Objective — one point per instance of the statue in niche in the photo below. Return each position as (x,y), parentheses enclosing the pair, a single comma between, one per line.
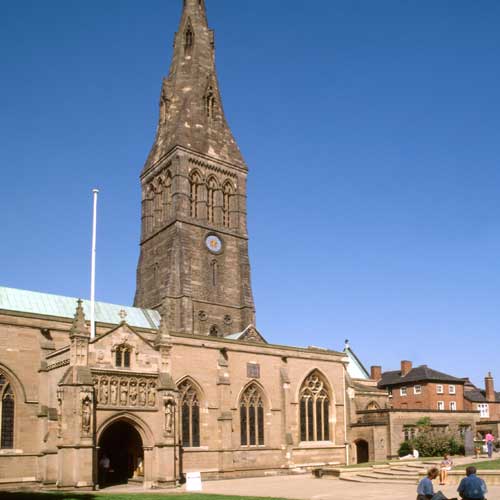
(151,395)
(114,392)
(169,415)
(142,394)
(133,393)
(59,413)
(86,415)
(124,393)
(104,392)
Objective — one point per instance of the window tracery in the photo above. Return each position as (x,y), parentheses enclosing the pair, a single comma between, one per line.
(252,416)
(7,414)
(190,414)
(314,409)
(211,195)
(227,192)
(194,184)
(122,356)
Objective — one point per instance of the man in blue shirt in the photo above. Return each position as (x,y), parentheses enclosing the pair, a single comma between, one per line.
(425,489)
(472,487)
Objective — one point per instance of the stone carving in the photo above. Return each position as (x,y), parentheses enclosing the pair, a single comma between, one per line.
(59,412)
(114,392)
(228,320)
(133,393)
(125,391)
(104,392)
(152,394)
(86,415)
(169,405)
(202,316)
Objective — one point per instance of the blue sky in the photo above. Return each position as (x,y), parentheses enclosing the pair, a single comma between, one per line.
(371,130)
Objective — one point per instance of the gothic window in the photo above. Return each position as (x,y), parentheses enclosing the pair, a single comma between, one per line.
(188,40)
(211,192)
(210,103)
(314,409)
(194,183)
(190,415)
(214,331)
(167,196)
(148,208)
(122,356)
(227,192)
(252,417)
(158,197)
(6,414)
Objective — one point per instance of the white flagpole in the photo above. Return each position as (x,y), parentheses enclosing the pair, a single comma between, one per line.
(92,272)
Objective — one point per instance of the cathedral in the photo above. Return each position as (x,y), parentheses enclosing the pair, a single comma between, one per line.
(182,381)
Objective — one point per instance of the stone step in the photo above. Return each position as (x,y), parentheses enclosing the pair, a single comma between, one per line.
(392,472)
(387,478)
(365,478)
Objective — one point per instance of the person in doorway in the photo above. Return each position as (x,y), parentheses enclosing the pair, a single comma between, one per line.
(489,438)
(444,468)
(104,465)
(472,487)
(425,489)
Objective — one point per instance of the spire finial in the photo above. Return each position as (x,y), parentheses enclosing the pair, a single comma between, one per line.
(79,327)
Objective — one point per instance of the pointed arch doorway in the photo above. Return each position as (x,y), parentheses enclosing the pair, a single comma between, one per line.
(122,444)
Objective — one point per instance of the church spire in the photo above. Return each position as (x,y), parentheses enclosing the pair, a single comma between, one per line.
(191,112)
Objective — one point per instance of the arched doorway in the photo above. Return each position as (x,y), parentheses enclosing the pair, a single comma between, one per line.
(122,445)
(362,451)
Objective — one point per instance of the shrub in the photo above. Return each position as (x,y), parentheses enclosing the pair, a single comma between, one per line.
(432,444)
(405,448)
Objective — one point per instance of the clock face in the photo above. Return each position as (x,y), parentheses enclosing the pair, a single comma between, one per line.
(214,244)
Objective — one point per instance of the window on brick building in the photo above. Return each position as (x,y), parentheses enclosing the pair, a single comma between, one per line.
(441,405)
(6,414)
(314,409)
(252,417)
(403,391)
(439,389)
(452,389)
(484,410)
(189,403)
(417,389)
(453,406)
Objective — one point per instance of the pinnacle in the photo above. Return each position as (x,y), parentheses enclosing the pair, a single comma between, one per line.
(79,327)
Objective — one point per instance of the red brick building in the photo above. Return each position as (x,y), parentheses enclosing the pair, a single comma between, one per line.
(422,388)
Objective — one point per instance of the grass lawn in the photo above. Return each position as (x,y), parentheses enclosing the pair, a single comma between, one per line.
(487,465)
(120,496)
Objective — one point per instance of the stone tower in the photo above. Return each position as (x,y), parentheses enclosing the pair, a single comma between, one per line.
(194,244)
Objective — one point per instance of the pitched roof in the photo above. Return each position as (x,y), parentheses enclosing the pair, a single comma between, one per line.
(476,395)
(46,304)
(418,374)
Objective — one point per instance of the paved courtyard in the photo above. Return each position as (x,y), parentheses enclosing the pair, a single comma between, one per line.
(305,487)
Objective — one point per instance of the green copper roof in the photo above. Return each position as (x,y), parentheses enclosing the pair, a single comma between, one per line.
(25,301)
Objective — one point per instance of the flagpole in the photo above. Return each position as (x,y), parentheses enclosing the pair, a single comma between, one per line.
(92,271)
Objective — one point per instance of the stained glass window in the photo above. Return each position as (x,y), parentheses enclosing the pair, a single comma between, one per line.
(190,415)
(314,410)
(252,417)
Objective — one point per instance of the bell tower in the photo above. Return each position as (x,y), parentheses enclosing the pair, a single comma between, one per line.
(194,243)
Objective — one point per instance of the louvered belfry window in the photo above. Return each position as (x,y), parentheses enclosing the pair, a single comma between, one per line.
(314,410)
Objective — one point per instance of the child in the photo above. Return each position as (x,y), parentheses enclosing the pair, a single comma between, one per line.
(444,468)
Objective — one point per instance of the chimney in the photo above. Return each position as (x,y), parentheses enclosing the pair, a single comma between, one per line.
(406,366)
(376,372)
(490,388)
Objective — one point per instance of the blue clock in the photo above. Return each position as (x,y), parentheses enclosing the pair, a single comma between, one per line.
(213,243)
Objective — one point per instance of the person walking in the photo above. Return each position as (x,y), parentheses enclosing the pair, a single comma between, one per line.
(425,489)
(489,438)
(104,465)
(472,487)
